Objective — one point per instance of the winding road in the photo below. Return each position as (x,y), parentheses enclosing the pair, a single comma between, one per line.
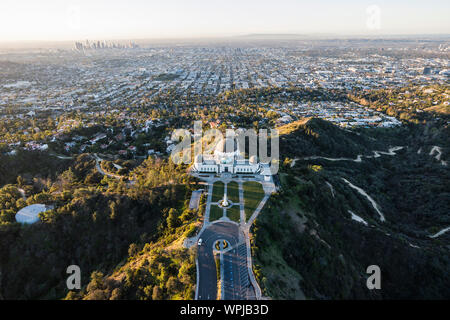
(376,154)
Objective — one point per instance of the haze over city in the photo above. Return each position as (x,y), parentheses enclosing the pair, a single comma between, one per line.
(50,20)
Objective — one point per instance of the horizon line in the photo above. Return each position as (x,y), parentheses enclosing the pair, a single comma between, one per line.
(311,36)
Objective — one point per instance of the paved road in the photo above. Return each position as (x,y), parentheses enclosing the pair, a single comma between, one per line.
(236,282)
(239,280)
(102,172)
(233,259)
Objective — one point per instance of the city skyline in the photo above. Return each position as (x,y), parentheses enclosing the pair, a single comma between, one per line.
(51,20)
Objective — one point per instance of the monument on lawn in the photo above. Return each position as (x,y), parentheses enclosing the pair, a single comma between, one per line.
(225,202)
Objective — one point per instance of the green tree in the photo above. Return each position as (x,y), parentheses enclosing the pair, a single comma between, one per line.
(172,220)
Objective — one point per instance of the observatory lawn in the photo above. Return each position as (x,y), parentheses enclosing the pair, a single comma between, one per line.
(234,213)
(253,194)
(233,191)
(215,213)
(218,189)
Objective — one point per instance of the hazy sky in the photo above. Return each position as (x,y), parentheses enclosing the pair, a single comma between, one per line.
(119,19)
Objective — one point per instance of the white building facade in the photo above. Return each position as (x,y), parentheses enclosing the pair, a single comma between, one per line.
(226,158)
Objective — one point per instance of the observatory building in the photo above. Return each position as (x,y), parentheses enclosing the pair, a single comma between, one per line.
(226,158)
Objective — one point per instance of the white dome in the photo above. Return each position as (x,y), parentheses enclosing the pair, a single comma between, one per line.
(198,158)
(253,159)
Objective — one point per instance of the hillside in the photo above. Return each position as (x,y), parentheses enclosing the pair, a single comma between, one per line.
(314,136)
(163,270)
(316,238)
(121,235)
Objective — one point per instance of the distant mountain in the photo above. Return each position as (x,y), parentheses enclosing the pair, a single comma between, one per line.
(272,35)
(282,36)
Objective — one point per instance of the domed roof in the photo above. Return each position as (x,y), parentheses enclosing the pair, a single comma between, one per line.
(198,158)
(253,159)
(227,145)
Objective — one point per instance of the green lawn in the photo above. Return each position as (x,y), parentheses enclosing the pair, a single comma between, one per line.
(233,191)
(253,194)
(233,213)
(218,189)
(215,213)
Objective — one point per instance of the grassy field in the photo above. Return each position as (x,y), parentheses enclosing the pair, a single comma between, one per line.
(253,194)
(216,213)
(233,191)
(218,189)
(234,214)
